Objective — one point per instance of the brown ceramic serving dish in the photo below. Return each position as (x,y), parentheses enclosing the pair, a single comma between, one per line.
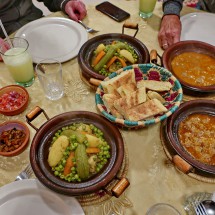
(199,106)
(40,148)
(189,46)
(15,148)
(86,52)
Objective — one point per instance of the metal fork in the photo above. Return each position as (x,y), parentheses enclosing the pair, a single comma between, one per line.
(199,208)
(25,174)
(89,30)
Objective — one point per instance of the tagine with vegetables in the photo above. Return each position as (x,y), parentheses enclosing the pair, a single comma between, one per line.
(109,58)
(78,152)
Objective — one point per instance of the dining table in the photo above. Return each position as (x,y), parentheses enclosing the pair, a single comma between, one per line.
(147,165)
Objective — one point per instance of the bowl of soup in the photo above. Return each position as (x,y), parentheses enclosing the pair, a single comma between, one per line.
(107,53)
(190,131)
(76,153)
(193,63)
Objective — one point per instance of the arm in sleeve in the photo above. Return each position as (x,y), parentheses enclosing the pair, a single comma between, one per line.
(172,7)
(55,5)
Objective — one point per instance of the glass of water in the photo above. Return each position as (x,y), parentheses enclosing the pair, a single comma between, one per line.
(49,72)
(162,209)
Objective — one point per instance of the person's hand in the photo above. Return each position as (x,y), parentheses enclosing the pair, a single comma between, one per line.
(170,31)
(76,10)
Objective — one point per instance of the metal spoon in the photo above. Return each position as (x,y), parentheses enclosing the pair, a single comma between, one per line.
(210,206)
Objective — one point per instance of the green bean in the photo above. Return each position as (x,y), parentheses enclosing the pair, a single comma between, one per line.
(110,53)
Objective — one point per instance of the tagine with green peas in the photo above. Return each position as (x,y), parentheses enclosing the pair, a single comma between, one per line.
(109,58)
(78,152)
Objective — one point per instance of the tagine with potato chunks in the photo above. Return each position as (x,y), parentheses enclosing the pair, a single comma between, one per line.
(112,57)
(78,152)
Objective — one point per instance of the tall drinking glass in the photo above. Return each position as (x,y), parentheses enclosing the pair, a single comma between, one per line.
(18,61)
(146,8)
(49,72)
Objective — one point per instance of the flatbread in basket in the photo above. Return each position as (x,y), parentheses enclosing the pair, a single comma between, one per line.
(139,95)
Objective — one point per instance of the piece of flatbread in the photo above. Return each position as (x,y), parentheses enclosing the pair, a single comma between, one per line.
(158,86)
(108,100)
(131,100)
(110,86)
(126,89)
(145,110)
(155,95)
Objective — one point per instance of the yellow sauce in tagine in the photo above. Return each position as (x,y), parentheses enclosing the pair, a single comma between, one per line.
(194,68)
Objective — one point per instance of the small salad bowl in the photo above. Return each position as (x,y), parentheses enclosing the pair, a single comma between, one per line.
(20,133)
(13,100)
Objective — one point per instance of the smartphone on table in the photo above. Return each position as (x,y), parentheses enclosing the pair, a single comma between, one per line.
(112,11)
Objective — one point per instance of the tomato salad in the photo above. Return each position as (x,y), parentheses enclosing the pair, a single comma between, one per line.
(12,100)
(109,58)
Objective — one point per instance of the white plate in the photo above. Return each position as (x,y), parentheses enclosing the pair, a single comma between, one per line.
(29,197)
(198,26)
(53,37)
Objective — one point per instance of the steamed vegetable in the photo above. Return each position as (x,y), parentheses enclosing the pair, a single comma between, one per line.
(100,48)
(93,141)
(127,55)
(98,57)
(92,150)
(83,167)
(78,151)
(57,150)
(79,136)
(69,164)
(111,57)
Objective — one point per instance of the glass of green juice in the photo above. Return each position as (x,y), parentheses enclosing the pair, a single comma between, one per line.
(18,61)
(146,8)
